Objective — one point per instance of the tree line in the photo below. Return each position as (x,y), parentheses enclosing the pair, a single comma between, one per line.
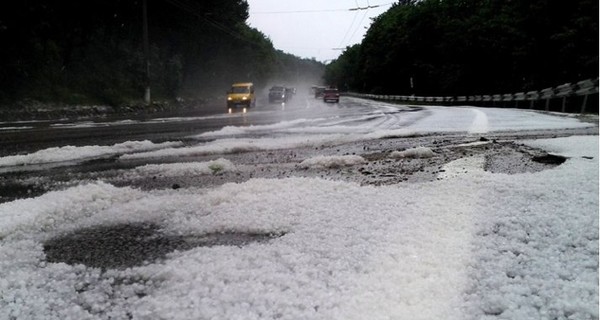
(463,47)
(91,51)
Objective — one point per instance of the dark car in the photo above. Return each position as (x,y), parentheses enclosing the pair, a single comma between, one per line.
(331,95)
(278,94)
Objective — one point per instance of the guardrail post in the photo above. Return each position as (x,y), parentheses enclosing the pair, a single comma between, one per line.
(582,88)
(564,91)
(585,88)
(547,94)
(585,98)
(532,96)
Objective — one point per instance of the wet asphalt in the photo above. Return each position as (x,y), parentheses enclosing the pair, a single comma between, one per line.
(122,246)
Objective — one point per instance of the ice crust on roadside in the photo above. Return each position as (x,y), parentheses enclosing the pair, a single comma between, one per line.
(187,168)
(233,130)
(60,208)
(332,161)
(238,145)
(72,153)
(383,121)
(418,152)
(538,253)
(482,120)
(568,146)
(476,246)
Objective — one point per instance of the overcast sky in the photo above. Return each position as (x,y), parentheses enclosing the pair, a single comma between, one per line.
(314,28)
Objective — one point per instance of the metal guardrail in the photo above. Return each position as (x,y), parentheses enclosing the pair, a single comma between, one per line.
(566,91)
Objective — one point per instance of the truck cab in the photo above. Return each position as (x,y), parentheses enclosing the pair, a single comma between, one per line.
(241,95)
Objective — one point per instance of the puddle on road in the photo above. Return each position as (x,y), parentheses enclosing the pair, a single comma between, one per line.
(129,245)
(549,159)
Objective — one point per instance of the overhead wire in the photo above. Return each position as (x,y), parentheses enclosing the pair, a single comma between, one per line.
(299,11)
(361,20)
(192,9)
(357,8)
(350,27)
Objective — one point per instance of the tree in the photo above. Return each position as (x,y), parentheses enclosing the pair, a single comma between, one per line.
(462,47)
(91,52)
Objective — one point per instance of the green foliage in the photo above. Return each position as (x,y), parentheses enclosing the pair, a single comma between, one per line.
(346,72)
(215,168)
(92,51)
(457,47)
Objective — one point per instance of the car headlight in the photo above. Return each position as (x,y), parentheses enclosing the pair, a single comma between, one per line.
(229,99)
(244,98)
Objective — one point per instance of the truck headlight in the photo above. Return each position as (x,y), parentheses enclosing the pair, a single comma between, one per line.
(244,98)
(229,99)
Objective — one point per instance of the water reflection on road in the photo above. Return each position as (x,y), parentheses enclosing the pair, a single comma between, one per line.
(27,136)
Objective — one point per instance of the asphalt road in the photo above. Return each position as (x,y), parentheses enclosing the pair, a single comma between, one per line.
(501,151)
(29,136)
(33,180)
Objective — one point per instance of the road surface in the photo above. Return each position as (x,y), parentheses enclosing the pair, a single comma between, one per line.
(360,209)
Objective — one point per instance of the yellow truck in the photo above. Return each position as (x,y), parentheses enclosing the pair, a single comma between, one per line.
(241,95)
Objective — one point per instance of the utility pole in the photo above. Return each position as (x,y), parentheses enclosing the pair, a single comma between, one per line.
(146,52)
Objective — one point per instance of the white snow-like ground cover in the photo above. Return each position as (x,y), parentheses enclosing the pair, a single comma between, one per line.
(381,121)
(16,128)
(183,169)
(73,153)
(237,145)
(332,161)
(483,120)
(474,245)
(418,152)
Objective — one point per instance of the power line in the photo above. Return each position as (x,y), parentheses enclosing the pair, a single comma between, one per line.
(361,20)
(368,7)
(299,11)
(357,8)
(194,10)
(350,27)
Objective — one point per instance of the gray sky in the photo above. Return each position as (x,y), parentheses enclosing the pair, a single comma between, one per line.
(314,28)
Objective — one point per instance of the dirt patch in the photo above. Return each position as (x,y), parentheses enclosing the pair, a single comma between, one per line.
(500,157)
(503,154)
(129,245)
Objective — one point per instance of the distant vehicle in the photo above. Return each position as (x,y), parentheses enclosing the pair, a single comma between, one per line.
(331,95)
(278,94)
(241,95)
(319,91)
(290,92)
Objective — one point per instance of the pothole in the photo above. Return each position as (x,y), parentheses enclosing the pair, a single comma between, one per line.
(129,245)
(500,157)
(520,159)
(549,159)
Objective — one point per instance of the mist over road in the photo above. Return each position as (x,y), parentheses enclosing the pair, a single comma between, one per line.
(18,137)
